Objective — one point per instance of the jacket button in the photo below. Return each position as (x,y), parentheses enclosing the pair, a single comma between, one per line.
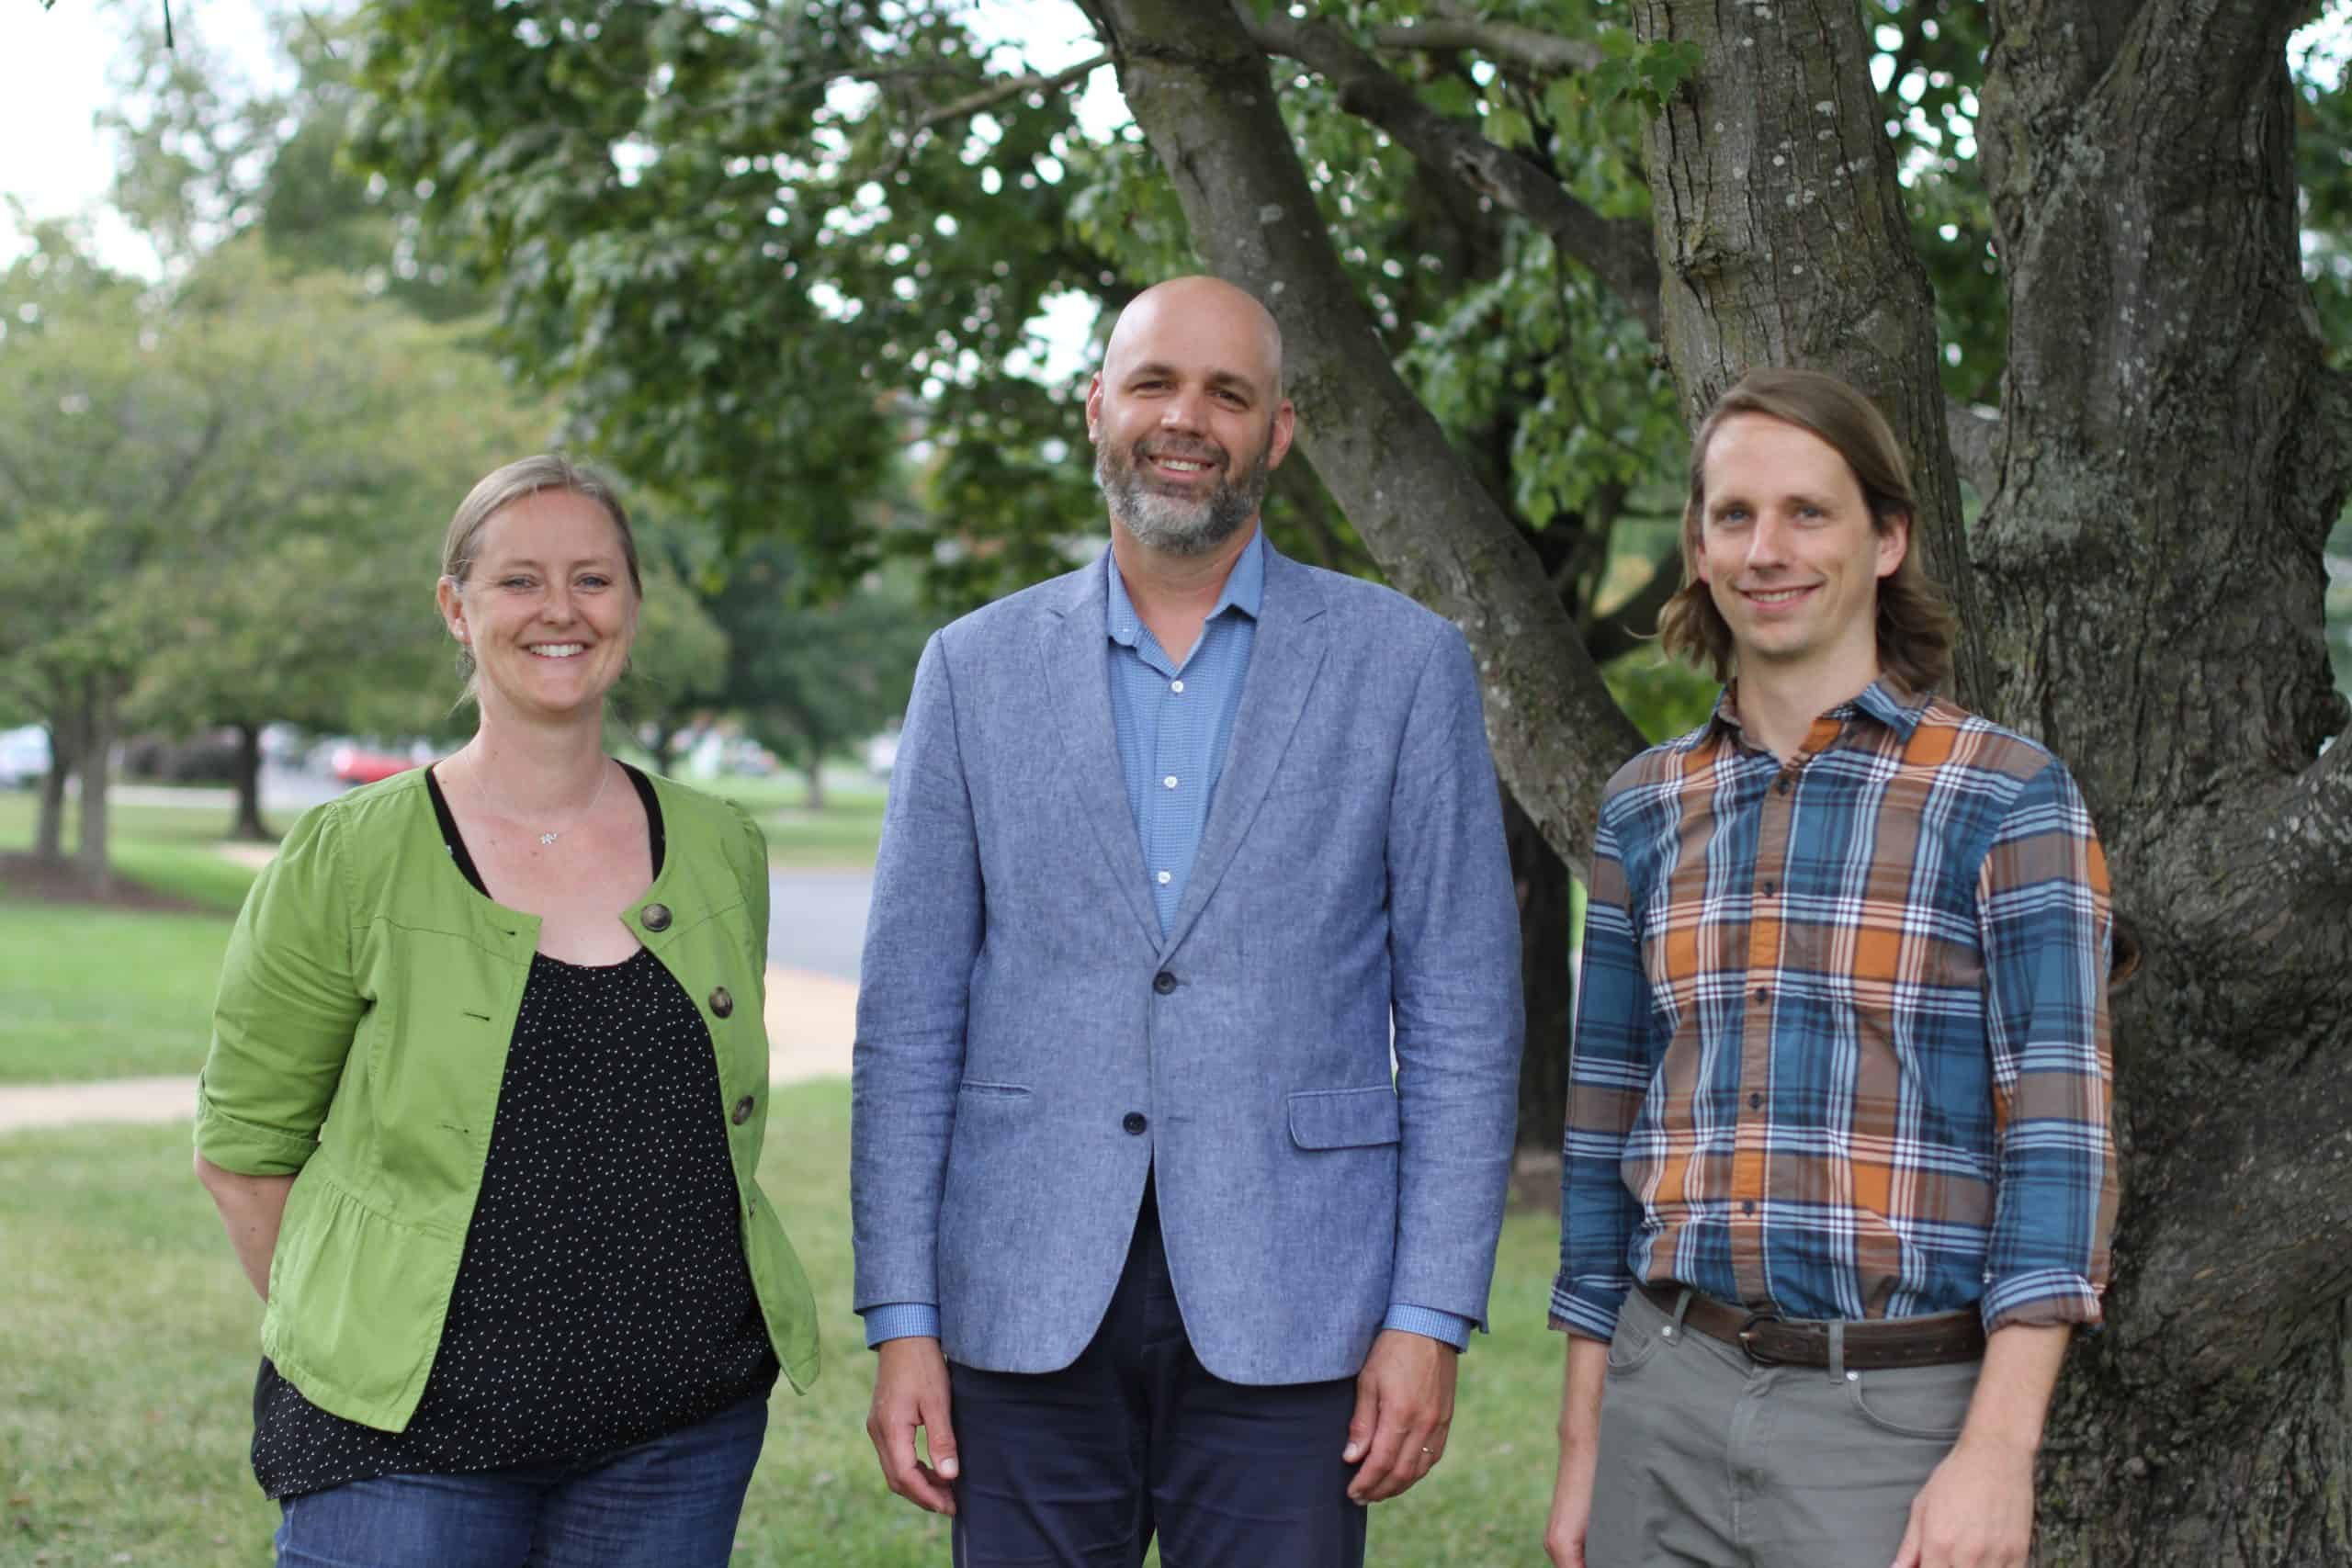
(1134,1123)
(742,1111)
(656,916)
(1163,983)
(722,1004)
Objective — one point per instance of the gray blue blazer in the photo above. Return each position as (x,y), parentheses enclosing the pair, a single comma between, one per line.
(1030,1046)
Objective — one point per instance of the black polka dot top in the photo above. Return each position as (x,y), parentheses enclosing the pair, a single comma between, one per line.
(603,1300)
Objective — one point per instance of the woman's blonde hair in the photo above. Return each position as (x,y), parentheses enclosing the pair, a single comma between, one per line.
(1914,625)
(500,489)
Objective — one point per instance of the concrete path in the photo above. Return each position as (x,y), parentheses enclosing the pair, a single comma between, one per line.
(811,1020)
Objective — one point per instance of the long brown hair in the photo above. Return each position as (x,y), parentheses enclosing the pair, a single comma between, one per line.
(1914,625)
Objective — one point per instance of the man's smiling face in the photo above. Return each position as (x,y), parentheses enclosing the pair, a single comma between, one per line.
(1187,416)
(1788,548)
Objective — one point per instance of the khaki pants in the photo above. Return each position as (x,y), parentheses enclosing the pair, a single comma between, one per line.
(1706,1458)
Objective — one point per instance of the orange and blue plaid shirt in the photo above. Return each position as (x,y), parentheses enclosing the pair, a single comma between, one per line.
(1841,1043)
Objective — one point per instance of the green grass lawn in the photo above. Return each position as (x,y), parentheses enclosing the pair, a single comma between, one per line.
(127,1356)
(90,993)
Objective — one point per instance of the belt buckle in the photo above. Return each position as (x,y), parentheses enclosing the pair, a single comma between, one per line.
(1747,1338)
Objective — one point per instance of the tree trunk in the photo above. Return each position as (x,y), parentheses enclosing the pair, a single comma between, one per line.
(247,824)
(49,823)
(2157,621)
(98,746)
(813,770)
(1541,879)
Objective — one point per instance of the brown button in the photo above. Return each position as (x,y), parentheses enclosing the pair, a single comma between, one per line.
(722,1003)
(656,916)
(742,1111)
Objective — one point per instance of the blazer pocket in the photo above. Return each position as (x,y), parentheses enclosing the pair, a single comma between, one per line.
(1344,1118)
(984,1090)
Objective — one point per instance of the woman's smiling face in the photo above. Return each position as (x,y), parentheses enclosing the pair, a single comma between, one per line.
(546,608)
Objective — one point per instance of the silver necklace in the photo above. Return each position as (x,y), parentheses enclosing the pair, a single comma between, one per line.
(603,772)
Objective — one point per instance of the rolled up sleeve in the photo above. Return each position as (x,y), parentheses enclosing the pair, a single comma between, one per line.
(2045,925)
(287,1006)
(1609,1064)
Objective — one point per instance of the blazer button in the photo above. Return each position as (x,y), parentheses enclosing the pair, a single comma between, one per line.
(1134,1123)
(1163,983)
(722,1004)
(742,1111)
(656,916)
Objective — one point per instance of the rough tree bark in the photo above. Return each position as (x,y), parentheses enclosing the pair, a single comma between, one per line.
(2173,453)
(2143,592)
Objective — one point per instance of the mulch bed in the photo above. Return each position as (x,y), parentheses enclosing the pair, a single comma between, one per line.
(26,877)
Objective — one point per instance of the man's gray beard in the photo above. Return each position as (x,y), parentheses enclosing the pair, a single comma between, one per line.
(1171,525)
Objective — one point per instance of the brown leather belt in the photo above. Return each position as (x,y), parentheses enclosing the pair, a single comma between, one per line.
(1871,1345)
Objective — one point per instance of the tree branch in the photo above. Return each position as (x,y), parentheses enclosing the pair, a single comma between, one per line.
(1524,49)
(1975,445)
(1617,250)
(997,92)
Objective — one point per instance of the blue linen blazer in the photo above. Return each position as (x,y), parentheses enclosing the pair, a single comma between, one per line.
(1030,1046)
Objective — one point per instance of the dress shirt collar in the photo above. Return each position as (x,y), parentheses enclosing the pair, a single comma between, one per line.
(1886,699)
(1245,590)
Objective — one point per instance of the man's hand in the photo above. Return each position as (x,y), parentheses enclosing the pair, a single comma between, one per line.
(1404,1404)
(1580,1391)
(1976,1510)
(911,1392)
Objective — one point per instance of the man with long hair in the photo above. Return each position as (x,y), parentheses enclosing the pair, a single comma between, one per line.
(1839,1180)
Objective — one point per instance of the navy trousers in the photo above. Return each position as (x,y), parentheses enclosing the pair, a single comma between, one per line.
(1080,1468)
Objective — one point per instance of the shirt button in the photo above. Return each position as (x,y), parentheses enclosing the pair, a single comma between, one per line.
(1169,781)
(722,1002)
(1782,787)
(1748,1205)
(1176,687)
(1133,1121)
(1755,1102)
(656,916)
(1768,888)
(742,1111)
(1763,993)
(1166,877)
(1163,982)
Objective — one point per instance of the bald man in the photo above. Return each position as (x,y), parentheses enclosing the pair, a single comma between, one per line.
(1154,1236)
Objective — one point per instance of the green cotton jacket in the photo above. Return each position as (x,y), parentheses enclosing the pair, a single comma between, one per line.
(367,1002)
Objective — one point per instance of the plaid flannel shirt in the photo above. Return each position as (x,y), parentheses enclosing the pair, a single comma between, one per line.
(1841,1046)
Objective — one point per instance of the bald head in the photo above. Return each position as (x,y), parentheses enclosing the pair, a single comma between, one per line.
(1226,319)
(1187,415)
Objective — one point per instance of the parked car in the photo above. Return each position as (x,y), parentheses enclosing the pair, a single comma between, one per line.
(358,764)
(24,757)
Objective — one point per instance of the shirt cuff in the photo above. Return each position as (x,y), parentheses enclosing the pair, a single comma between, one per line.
(1445,1327)
(1588,1306)
(2044,1298)
(900,1320)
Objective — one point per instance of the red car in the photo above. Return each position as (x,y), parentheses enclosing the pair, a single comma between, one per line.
(357,765)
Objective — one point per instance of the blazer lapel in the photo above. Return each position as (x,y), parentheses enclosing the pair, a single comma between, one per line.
(1077,684)
(1284,660)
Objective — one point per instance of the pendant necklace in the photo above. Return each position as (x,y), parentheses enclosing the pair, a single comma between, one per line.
(604,773)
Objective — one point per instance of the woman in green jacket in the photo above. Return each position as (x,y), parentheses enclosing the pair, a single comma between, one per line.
(483,1106)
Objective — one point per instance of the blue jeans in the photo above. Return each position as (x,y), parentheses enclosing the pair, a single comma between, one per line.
(671,1502)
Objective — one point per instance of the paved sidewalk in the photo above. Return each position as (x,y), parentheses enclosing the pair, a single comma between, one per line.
(811,1020)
